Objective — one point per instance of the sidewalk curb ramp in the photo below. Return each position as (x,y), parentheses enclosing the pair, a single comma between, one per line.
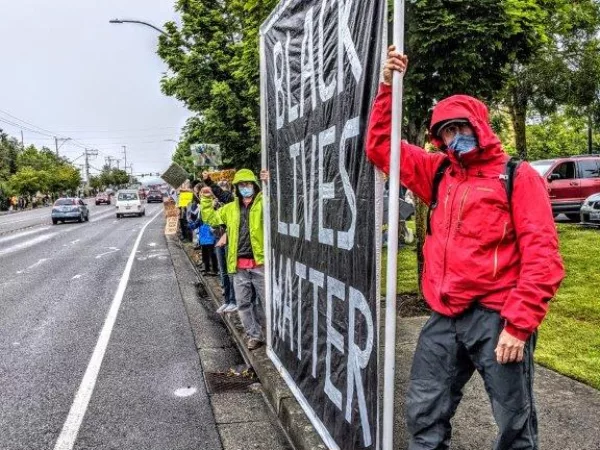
(292,418)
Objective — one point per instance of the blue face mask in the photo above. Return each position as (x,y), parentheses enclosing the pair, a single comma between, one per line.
(462,144)
(247,191)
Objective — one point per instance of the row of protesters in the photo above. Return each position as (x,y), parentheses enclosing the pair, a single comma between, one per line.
(243,221)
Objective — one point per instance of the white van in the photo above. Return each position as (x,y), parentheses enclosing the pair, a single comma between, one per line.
(128,202)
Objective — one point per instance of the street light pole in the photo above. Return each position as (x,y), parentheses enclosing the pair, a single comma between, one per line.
(140,23)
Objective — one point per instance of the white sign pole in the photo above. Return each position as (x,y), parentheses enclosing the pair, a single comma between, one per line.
(266,192)
(393,225)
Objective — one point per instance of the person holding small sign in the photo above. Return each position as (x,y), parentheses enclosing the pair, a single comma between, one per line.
(243,219)
(491,267)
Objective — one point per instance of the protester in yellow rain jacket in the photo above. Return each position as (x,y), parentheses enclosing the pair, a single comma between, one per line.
(243,219)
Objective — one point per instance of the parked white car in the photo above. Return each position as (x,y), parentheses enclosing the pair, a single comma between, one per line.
(129,203)
(590,211)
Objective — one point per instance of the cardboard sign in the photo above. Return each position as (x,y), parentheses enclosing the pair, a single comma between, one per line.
(185,198)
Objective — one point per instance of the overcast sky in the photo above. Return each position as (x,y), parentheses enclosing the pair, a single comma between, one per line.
(68,71)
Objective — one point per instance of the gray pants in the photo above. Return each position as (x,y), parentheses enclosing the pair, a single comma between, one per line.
(251,313)
(448,352)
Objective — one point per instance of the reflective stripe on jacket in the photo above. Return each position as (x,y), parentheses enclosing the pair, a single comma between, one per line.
(478,251)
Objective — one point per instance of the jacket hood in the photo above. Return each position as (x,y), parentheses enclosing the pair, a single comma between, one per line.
(244,175)
(467,108)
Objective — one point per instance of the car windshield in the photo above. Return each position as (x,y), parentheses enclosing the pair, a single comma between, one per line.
(542,166)
(154,193)
(128,196)
(64,201)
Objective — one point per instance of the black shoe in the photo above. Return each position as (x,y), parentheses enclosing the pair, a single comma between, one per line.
(253,343)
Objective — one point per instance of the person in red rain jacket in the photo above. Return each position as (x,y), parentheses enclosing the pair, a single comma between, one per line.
(491,267)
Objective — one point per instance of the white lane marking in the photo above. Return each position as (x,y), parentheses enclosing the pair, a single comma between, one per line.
(112,250)
(33,265)
(76,276)
(15,236)
(27,244)
(30,219)
(185,392)
(70,429)
(100,216)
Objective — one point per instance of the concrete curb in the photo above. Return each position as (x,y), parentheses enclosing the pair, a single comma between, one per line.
(292,418)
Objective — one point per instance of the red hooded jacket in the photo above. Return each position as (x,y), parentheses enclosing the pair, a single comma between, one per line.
(478,250)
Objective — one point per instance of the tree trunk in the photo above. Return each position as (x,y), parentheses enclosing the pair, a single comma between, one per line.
(518,113)
(421,230)
(417,135)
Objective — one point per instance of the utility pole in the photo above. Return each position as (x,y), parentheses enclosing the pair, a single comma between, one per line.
(22,140)
(590,133)
(88,153)
(125,153)
(63,140)
(109,160)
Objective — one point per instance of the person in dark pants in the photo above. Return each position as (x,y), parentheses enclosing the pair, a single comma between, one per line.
(223,194)
(207,241)
(243,219)
(491,266)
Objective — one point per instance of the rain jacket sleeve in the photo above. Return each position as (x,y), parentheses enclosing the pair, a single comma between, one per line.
(542,267)
(221,195)
(209,215)
(418,167)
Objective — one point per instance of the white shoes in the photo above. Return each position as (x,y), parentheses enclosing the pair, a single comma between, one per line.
(227,308)
(230,308)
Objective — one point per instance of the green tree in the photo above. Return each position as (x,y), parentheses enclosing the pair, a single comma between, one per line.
(559,134)
(564,70)
(213,61)
(119,177)
(96,183)
(29,181)
(462,47)
(64,178)
(9,151)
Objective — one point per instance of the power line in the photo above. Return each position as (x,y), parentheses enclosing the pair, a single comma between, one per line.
(23,127)
(118,130)
(25,122)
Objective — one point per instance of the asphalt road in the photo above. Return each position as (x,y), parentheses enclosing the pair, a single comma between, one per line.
(96,348)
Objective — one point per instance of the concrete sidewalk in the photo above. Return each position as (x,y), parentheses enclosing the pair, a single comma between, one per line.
(243,417)
(567,410)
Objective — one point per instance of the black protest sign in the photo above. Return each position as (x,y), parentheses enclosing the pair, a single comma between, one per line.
(175,175)
(320,69)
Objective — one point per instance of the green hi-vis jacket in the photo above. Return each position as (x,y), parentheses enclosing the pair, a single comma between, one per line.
(230,216)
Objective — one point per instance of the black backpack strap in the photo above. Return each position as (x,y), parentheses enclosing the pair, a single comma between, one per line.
(437,178)
(509,176)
